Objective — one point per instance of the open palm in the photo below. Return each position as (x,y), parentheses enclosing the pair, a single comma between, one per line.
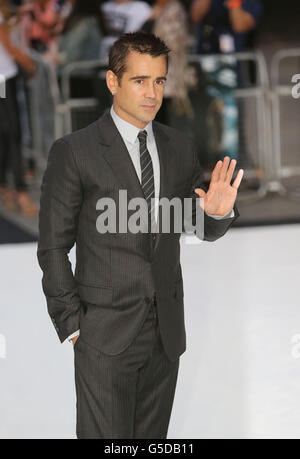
(221,195)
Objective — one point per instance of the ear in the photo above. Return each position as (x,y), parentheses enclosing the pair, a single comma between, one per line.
(111,81)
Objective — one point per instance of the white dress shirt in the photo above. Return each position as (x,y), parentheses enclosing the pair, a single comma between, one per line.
(129,134)
(8,67)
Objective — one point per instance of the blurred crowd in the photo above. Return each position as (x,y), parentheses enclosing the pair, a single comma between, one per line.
(65,31)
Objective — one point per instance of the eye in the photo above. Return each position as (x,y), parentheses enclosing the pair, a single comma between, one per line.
(161,82)
(138,81)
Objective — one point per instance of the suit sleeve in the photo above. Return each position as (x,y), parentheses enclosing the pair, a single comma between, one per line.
(61,199)
(206,228)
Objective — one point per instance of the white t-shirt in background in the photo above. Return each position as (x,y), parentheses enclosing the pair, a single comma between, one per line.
(8,67)
(122,18)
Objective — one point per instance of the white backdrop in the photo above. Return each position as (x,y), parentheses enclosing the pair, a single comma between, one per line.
(240,374)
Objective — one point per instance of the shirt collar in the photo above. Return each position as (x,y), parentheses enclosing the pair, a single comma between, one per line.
(128,131)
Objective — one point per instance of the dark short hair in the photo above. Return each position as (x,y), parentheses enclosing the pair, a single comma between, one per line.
(141,42)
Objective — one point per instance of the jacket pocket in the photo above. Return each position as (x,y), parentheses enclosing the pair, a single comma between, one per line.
(101,296)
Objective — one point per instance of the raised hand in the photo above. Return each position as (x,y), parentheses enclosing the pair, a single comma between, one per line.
(221,195)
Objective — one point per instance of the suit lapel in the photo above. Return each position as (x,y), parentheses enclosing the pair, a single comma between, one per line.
(116,155)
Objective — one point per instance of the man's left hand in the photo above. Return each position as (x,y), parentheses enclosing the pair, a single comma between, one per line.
(221,195)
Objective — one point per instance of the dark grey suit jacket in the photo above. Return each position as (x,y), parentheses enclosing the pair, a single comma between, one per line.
(116,274)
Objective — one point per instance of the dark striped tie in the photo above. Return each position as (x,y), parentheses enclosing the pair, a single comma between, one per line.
(147,176)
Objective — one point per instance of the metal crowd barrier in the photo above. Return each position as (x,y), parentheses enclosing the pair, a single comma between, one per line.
(266,104)
(279,92)
(258,92)
(44,97)
(67,105)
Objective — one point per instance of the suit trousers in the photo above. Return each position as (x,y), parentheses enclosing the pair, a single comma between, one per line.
(128,395)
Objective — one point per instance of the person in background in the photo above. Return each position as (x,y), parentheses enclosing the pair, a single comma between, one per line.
(168,21)
(10,132)
(122,16)
(81,35)
(41,23)
(223,25)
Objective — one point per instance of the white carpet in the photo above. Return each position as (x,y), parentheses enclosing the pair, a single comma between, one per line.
(240,375)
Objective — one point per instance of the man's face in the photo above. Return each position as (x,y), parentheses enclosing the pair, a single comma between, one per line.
(139,97)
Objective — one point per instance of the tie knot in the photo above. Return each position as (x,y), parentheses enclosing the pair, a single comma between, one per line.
(142,136)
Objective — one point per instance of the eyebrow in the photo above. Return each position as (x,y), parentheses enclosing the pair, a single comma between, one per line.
(141,77)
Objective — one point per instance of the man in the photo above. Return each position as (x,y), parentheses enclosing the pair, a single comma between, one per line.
(125,300)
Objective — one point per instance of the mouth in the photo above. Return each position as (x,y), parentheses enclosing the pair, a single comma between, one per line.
(148,107)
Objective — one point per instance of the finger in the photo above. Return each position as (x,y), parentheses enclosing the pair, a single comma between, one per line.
(224,168)
(215,176)
(230,171)
(238,179)
(200,192)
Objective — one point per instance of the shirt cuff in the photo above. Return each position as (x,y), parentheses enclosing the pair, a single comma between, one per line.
(73,335)
(230,214)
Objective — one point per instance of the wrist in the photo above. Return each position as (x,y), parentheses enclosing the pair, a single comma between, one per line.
(71,337)
(233,4)
(74,340)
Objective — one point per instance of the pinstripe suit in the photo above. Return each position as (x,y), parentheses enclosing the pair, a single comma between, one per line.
(127,355)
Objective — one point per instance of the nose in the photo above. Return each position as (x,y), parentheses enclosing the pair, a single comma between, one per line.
(150,92)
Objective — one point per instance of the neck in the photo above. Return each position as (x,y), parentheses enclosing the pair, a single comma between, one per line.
(128,118)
